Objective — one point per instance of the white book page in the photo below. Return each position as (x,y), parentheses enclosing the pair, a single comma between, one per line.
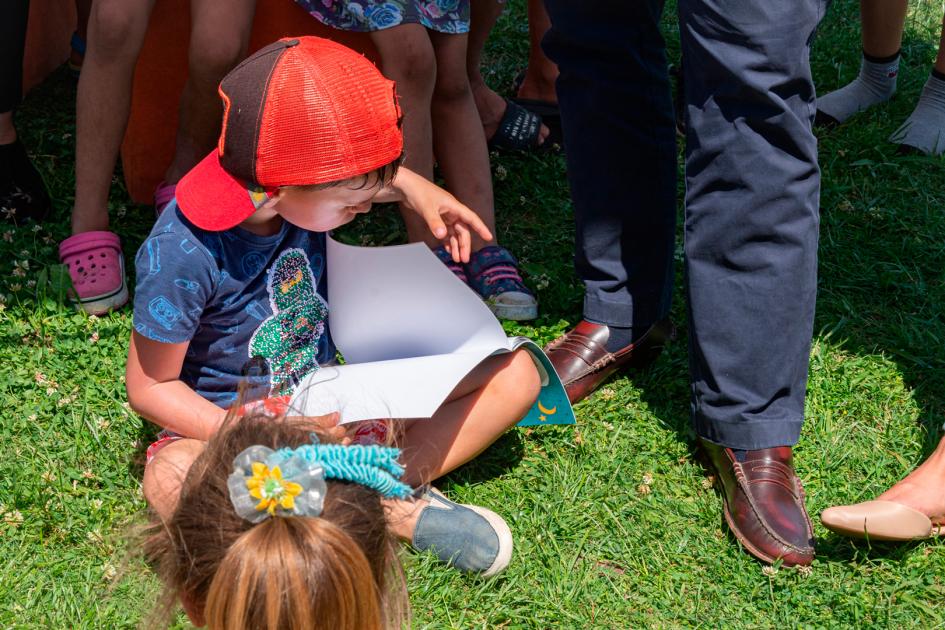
(400,388)
(400,302)
(410,331)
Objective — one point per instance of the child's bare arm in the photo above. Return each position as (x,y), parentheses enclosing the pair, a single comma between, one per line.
(155,391)
(448,219)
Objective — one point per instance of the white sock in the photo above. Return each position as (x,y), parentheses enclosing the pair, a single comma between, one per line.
(876,83)
(925,128)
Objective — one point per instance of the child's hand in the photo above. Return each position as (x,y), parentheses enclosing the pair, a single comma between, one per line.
(327,426)
(448,219)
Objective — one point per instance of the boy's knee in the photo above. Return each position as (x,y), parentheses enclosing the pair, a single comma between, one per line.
(164,475)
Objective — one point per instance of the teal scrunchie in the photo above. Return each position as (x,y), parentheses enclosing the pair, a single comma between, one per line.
(291,481)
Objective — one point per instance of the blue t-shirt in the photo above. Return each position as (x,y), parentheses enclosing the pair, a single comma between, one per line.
(252,307)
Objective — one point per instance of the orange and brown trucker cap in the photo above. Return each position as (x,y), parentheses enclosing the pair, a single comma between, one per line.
(298,112)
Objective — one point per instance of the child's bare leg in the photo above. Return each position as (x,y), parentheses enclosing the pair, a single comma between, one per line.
(116,33)
(407,58)
(882,22)
(458,141)
(219,37)
(490,400)
(165,474)
(402,516)
(541,73)
(491,106)
(7,130)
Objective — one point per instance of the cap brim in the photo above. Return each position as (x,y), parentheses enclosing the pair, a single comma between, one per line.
(211,198)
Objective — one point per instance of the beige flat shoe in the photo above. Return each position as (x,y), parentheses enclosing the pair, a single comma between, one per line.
(880,520)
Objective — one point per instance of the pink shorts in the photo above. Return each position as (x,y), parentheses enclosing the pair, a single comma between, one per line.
(164,437)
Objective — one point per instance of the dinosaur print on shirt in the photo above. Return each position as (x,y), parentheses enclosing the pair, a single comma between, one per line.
(289,339)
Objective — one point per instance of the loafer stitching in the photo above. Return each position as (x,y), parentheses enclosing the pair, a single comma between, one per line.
(566,342)
(744,488)
(590,370)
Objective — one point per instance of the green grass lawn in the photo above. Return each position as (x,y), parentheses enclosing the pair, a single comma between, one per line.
(616,524)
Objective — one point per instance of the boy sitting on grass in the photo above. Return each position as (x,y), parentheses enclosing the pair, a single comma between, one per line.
(231,284)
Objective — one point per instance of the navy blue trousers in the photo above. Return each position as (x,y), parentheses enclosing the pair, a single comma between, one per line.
(752,192)
(617,119)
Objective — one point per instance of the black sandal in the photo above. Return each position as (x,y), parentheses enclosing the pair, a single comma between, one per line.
(519,130)
(550,116)
(548,110)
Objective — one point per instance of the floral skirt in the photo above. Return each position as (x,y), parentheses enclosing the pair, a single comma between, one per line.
(444,16)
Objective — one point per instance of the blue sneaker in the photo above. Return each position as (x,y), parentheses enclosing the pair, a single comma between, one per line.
(493,273)
(467,537)
(457,268)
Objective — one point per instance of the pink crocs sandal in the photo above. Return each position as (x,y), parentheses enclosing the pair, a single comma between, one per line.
(97,268)
(164,193)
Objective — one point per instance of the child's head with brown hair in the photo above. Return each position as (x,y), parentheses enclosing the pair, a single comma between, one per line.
(306,122)
(287,570)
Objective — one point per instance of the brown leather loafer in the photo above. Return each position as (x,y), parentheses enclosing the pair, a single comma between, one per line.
(764,503)
(581,359)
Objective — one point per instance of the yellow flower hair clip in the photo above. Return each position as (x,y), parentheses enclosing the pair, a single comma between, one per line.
(260,487)
(271,489)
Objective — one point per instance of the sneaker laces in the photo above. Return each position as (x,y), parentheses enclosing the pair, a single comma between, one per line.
(497,273)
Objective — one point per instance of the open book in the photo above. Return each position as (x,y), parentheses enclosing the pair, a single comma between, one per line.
(409,331)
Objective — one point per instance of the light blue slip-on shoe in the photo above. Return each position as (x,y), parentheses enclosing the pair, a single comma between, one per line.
(467,537)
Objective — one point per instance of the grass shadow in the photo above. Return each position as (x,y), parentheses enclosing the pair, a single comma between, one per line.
(851,550)
(882,285)
(503,456)
(145,435)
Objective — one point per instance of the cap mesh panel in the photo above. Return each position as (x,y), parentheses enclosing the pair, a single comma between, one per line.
(330,115)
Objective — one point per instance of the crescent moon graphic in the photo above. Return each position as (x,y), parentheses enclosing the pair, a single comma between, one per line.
(546,411)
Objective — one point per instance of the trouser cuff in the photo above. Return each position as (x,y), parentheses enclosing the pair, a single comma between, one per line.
(749,435)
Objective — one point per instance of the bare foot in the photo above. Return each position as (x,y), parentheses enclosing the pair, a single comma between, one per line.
(491,108)
(923,489)
(539,87)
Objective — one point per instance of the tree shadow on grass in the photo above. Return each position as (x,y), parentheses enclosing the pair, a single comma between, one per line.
(882,286)
(882,283)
